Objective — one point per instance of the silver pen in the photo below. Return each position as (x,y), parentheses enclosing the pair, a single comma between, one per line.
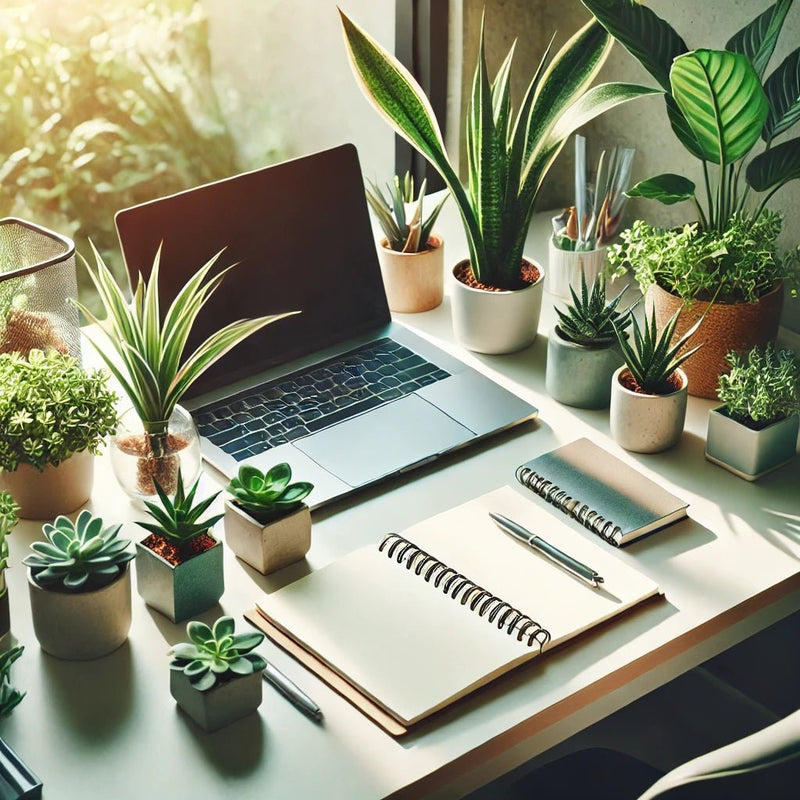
(291,692)
(571,565)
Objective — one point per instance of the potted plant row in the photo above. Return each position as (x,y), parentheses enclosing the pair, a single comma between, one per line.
(497,292)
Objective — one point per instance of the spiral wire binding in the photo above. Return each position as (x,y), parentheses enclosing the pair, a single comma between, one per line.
(461,588)
(572,507)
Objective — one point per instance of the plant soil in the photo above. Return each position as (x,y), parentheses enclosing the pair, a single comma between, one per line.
(177,554)
(463,273)
(30,330)
(629,382)
(151,467)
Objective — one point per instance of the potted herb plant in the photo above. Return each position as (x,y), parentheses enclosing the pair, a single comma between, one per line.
(157,437)
(496,293)
(755,429)
(54,416)
(582,349)
(411,255)
(719,105)
(648,393)
(267,524)
(179,565)
(215,677)
(80,587)
(8,519)
(10,697)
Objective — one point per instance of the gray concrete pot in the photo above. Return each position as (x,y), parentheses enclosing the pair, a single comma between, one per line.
(219,706)
(746,452)
(182,591)
(79,626)
(577,375)
(647,423)
(268,547)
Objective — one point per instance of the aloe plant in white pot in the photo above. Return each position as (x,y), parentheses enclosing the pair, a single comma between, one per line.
(496,292)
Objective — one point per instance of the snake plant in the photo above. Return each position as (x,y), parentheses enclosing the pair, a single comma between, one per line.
(508,154)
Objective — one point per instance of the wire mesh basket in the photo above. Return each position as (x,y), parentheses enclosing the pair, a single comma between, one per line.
(37,280)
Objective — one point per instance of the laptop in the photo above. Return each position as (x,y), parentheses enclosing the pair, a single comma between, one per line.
(342,393)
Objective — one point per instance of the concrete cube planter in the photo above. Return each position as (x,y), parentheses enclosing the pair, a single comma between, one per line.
(219,706)
(268,547)
(79,626)
(746,452)
(181,591)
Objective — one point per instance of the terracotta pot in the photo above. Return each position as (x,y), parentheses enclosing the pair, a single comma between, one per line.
(219,706)
(564,268)
(728,327)
(54,491)
(414,282)
(496,322)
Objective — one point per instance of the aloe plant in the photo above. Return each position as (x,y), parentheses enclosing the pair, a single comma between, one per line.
(590,320)
(718,105)
(268,495)
(508,154)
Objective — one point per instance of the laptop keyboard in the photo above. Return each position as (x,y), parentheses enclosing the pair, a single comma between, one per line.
(280,411)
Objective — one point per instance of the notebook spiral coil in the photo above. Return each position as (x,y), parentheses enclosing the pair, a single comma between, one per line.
(571,506)
(467,592)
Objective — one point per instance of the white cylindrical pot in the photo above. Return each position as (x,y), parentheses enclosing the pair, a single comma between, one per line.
(647,423)
(414,282)
(496,322)
(564,268)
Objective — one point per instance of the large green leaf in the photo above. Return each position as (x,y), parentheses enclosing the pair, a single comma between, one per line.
(642,33)
(667,188)
(774,167)
(783,93)
(720,96)
(757,39)
(681,128)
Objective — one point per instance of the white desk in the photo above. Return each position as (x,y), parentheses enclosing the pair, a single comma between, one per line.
(110,728)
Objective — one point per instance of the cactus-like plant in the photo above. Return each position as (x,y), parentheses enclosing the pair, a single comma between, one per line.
(78,556)
(179,520)
(10,697)
(268,495)
(216,655)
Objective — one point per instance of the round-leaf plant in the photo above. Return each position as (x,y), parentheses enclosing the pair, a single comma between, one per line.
(268,495)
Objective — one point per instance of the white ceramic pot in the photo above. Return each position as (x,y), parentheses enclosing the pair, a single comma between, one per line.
(220,705)
(647,423)
(496,322)
(55,490)
(268,547)
(564,269)
(414,282)
(79,626)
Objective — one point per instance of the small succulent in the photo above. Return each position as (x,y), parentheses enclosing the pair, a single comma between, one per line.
(8,519)
(590,320)
(651,358)
(78,556)
(179,520)
(270,495)
(10,697)
(403,234)
(216,655)
(763,386)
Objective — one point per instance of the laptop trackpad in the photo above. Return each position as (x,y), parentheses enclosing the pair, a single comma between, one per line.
(384,441)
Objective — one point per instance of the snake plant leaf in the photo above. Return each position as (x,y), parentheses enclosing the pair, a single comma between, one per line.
(757,40)
(667,188)
(647,37)
(783,92)
(774,167)
(721,98)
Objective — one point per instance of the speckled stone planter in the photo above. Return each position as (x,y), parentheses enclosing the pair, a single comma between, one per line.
(219,706)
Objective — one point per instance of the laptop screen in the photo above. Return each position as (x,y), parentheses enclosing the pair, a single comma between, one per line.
(300,235)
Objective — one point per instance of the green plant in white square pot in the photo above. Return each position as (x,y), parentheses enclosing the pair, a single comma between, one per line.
(754,431)
(215,677)
(8,519)
(411,255)
(582,349)
(648,393)
(54,416)
(496,292)
(80,587)
(267,524)
(179,565)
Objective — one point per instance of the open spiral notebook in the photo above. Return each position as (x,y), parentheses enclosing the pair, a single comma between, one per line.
(418,620)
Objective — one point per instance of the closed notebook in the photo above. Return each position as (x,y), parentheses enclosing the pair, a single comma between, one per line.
(378,619)
(604,494)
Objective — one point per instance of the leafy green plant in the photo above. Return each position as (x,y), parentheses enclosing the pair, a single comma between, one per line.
(590,320)
(50,408)
(269,495)
(78,556)
(762,387)
(10,697)
(178,519)
(508,154)
(404,234)
(650,357)
(8,519)
(216,655)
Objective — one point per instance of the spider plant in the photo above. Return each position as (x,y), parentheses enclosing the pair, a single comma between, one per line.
(508,154)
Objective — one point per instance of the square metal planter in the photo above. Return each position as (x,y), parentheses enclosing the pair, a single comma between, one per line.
(219,706)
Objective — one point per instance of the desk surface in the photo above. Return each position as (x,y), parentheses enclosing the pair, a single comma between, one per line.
(109,728)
